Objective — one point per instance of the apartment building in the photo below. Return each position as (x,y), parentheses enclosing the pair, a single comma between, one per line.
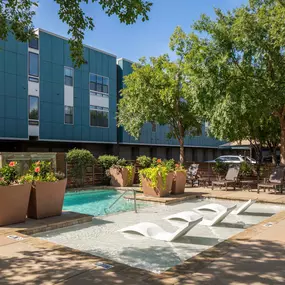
(48,105)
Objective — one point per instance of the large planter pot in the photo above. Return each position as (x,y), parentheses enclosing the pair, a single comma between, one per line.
(46,199)
(14,202)
(179,182)
(158,191)
(120,177)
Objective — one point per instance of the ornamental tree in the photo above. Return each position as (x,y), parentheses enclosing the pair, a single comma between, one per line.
(156,92)
(236,67)
(17,17)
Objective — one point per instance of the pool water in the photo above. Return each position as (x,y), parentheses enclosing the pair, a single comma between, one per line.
(97,202)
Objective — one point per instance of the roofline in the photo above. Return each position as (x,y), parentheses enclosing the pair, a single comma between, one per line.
(64,38)
(122,58)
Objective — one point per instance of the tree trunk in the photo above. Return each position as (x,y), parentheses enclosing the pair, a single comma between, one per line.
(181,156)
(282,142)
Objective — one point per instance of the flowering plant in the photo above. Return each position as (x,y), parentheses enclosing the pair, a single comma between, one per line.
(9,174)
(41,171)
(179,167)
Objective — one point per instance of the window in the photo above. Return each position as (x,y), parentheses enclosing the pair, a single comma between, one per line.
(33,110)
(99,116)
(33,64)
(34,43)
(68,76)
(68,115)
(99,83)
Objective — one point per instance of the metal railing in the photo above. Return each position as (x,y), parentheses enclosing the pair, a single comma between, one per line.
(125,191)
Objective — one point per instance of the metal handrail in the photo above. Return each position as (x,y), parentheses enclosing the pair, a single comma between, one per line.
(127,190)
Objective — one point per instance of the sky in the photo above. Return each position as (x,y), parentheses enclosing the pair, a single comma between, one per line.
(132,42)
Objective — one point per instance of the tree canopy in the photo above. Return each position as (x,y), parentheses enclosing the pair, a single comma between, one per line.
(17,17)
(236,69)
(156,91)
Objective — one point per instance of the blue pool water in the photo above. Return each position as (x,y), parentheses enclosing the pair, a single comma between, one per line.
(97,202)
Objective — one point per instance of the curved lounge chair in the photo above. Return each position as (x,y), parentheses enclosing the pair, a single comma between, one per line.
(221,211)
(244,207)
(187,216)
(154,231)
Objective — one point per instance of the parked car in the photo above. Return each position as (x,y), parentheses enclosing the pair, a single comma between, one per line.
(233,159)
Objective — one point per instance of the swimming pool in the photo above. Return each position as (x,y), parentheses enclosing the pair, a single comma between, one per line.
(101,237)
(97,202)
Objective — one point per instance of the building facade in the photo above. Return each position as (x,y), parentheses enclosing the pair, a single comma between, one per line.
(48,105)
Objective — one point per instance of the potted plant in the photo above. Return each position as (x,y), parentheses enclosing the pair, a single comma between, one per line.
(122,174)
(156,181)
(14,196)
(48,189)
(179,180)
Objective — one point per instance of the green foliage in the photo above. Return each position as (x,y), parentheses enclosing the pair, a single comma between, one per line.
(9,174)
(131,171)
(121,162)
(169,164)
(80,159)
(153,173)
(220,168)
(17,17)
(246,169)
(144,161)
(107,161)
(40,171)
(235,68)
(169,101)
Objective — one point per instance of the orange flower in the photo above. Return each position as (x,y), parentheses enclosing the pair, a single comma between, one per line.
(159,160)
(12,163)
(37,169)
(38,163)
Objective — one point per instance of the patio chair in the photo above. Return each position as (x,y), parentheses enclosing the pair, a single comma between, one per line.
(275,181)
(192,173)
(154,231)
(230,179)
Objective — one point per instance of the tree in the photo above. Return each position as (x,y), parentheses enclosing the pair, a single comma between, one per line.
(17,17)
(236,67)
(156,92)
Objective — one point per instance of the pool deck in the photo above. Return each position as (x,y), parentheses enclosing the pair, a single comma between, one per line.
(254,256)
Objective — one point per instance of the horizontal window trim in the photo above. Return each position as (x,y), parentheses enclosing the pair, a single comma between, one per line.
(168,145)
(78,141)
(98,92)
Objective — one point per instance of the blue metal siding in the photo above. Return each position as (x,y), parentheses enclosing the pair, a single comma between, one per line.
(13,89)
(54,55)
(160,136)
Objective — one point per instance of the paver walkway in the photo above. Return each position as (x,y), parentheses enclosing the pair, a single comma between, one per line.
(255,256)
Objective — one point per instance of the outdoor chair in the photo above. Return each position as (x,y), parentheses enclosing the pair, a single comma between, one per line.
(192,174)
(275,181)
(230,179)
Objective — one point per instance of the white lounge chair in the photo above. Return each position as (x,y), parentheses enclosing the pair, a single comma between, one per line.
(187,216)
(244,207)
(222,213)
(154,231)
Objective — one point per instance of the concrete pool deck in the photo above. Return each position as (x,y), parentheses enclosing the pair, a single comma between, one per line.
(254,256)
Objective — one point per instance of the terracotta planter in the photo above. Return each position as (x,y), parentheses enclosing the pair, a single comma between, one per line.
(157,191)
(179,182)
(14,202)
(46,199)
(119,177)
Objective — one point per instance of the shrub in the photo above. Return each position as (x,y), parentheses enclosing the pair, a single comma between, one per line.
(40,171)
(80,160)
(246,169)
(220,168)
(169,164)
(144,161)
(106,161)
(9,174)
